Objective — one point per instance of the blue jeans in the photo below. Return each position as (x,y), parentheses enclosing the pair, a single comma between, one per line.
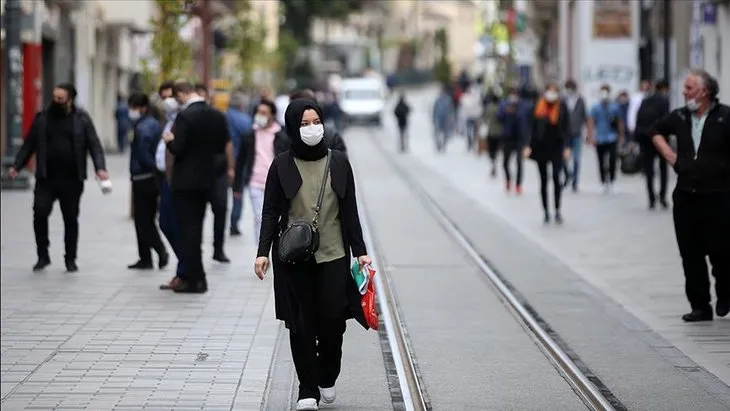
(170,226)
(575,145)
(237,210)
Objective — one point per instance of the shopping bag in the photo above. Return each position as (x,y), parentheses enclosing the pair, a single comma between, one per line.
(369,305)
(361,277)
(631,162)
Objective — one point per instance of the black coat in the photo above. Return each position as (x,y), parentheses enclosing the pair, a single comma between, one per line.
(85,141)
(282,184)
(199,147)
(547,142)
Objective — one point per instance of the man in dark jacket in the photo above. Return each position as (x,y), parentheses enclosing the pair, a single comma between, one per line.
(653,108)
(332,138)
(702,195)
(145,182)
(199,139)
(61,137)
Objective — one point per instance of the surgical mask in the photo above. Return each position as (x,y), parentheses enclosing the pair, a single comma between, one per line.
(513,99)
(58,109)
(551,96)
(312,134)
(692,105)
(134,115)
(261,120)
(170,105)
(605,95)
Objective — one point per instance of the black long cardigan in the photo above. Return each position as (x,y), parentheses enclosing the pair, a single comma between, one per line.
(282,184)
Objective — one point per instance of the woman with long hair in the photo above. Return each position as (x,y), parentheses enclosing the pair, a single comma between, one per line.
(310,193)
(550,129)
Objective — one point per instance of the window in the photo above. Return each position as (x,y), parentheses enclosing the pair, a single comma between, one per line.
(361,94)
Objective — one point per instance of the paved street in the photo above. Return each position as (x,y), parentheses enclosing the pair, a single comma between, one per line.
(107,338)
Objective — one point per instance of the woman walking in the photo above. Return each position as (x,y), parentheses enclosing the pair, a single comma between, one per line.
(310,193)
(550,133)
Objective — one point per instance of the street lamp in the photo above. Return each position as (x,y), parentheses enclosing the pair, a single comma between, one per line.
(13,57)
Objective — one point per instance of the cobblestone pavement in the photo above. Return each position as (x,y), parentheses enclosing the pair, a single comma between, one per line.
(107,338)
(613,242)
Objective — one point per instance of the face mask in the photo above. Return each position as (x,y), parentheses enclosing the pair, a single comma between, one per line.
(692,105)
(513,99)
(261,121)
(605,95)
(551,96)
(170,105)
(58,109)
(312,134)
(134,115)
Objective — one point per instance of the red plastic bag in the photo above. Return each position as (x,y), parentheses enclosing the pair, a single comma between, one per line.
(368,302)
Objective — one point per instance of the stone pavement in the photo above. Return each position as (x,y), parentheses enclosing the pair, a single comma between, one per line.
(107,338)
(613,242)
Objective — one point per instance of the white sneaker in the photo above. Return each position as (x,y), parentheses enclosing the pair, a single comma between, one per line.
(328,395)
(606,188)
(307,404)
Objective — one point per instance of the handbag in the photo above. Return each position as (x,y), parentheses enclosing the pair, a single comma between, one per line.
(300,240)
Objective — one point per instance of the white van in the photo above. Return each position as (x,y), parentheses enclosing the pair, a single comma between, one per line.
(362,99)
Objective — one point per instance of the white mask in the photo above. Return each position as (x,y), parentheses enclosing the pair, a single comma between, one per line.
(605,95)
(261,121)
(692,105)
(170,105)
(312,134)
(134,115)
(551,96)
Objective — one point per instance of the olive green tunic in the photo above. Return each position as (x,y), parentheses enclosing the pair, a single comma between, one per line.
(331,246)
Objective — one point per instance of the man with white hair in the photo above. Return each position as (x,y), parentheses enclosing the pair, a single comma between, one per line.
(702,195)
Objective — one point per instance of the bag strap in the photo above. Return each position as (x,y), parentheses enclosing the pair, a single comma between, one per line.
(321,189)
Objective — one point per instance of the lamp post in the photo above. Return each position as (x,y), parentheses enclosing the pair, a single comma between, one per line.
(13,95)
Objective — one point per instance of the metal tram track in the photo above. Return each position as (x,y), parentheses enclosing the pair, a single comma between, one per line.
(589,388)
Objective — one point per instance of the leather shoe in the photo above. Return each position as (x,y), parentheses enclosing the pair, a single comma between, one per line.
(698,315)
(722,308)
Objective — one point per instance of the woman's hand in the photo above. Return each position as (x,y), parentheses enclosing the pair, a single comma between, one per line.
(260,267)
(364,260)
(566,153)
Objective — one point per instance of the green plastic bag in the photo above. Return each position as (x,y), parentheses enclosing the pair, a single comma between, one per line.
(360,277)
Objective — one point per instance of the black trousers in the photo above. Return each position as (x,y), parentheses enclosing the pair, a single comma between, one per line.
(190,210)
(145,194)
(650,155)
(68,193)
(508,150)
(218,198)
(316,339)
(702,227)
(607,151)
(403,135)
(557,168)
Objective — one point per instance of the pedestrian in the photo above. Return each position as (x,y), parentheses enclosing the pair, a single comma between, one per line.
(169,223)
(490,127)
(239,124)
(121,115)
(199,140)
(316,295)
(653,108)
(401,112)
(606,133)
(145,182)
(60,137)
(550,131)
(578,114)
(254,159)
(702,195)
(512,114)
(332,139)
(444,118)
(471,108)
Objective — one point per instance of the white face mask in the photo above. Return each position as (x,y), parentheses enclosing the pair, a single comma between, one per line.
(312,134)
(605,95)
(692,105)
(134,115)
(170,105)
(551,96)
(261,121)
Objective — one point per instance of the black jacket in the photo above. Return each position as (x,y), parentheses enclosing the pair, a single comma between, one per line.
(708,169)
(247,152)
(651,110)
(85,141)
(548,142)
(282,184)
(201,135)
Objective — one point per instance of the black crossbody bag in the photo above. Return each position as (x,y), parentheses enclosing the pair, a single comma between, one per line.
(300,240)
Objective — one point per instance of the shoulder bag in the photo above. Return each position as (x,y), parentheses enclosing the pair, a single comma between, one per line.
(300,240)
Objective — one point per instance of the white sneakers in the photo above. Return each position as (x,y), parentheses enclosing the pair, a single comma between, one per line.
(307,404)
(310,404)
(328,395)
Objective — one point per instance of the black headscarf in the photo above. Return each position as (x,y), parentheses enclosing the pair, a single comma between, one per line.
(293,120)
